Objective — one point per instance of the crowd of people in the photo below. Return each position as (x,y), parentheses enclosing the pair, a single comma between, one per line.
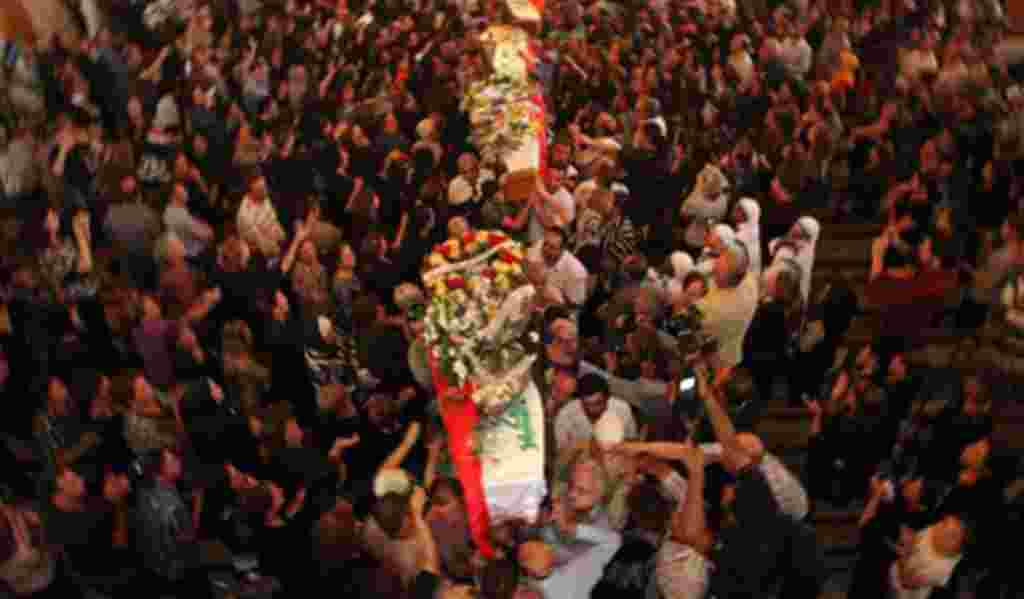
(216,215)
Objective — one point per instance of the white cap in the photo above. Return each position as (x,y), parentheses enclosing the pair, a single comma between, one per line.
(609,429)
(392,481)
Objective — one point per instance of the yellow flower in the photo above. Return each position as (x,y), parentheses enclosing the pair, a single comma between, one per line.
(436,260)
(502,267)
(504,283)
(452,249)
(439,289)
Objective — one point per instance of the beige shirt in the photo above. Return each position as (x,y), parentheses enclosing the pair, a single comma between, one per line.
(727,316)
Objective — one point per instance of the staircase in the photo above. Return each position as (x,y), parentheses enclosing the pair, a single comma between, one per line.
(846,249)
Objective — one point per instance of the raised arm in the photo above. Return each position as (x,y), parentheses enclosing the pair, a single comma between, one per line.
(201,308)
(689,523)
(394,461)
(301,231)
(725,432)
(430,559)
(83,239)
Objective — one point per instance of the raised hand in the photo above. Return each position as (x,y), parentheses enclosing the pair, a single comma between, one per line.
(694,459)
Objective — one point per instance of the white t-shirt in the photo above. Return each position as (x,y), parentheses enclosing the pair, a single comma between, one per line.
(259,226)
(925,564)
(568,275)
(562,208)
(573,427)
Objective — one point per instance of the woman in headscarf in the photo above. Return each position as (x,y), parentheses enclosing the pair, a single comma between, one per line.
(678,266)
(746,218)
(709,201)
(798,246)
(717,236)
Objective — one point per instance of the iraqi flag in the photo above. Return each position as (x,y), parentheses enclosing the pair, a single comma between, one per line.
(499,461)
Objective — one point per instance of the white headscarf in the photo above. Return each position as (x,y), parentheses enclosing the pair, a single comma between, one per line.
(799,254)
(682,264)
(725,235)
(805,252)
(749,231)
(708,200)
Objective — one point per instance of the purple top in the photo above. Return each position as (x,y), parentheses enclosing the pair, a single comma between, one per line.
(153,342)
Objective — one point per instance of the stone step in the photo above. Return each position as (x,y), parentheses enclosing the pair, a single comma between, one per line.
(843,252)
(837,529)
(784,429)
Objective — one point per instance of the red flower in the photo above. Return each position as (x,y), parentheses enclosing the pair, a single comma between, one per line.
(496,239)
(456,282)
(489,273)
(507,256)
(468,237)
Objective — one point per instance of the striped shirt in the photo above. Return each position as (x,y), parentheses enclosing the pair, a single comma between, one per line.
(620,239)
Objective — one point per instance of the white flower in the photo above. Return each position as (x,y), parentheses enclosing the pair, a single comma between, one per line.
(461,370)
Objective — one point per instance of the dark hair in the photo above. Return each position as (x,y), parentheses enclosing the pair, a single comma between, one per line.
(897,257)
(647,506)
(257,500)
(1016,222)
(336,538)
(590,256)
(499,579)
(364,311)
(739,387)
(8,544)
(390,512)
(445,485)
(694,276)
(562,234)
(902,209)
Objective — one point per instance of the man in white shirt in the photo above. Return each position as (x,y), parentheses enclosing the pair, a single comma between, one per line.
(576,422)
(257,221)
(193,232)
(564,271)
(468,186)
(554,207)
